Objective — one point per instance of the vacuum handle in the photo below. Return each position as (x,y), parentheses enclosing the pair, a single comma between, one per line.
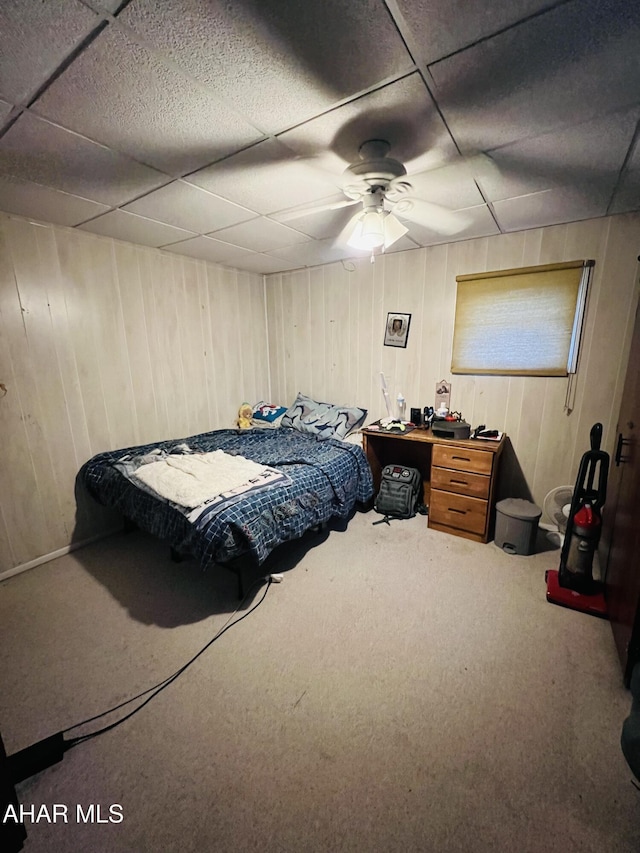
(596,436)
(593,461)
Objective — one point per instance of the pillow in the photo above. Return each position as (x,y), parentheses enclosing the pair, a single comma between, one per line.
(323,419)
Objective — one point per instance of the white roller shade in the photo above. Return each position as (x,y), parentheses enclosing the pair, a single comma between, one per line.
(524,321)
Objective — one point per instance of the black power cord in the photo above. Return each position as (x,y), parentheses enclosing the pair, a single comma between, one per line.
(158,688)
(49,751)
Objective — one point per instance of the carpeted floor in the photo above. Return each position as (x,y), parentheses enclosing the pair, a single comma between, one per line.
(401,690)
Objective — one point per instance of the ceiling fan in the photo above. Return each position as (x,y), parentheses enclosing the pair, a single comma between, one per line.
(378,183)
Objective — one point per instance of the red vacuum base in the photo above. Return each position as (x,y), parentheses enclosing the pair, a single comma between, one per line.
(594,604)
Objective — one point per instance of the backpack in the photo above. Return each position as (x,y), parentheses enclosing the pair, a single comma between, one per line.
(400,492)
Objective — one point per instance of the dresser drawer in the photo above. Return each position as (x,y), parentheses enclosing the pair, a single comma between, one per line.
(459,511)
(462,482)
(461,459)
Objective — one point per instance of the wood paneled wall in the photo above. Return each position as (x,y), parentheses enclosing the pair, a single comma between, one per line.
(326,328)
(106,345)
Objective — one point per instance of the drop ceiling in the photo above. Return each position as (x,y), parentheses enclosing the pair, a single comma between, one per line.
(198,126)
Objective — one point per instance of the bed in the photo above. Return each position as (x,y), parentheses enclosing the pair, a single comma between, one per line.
(300,481)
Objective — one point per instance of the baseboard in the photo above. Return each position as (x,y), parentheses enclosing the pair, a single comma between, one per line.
(53,555)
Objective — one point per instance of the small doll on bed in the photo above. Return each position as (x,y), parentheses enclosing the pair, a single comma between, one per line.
(245,415)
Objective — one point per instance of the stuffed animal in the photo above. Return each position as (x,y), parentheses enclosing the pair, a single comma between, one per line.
(245,414)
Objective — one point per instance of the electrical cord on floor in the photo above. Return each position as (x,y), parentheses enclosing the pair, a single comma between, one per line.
(51,750)
(158,688)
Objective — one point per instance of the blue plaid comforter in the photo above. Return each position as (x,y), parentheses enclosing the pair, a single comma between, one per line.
(325,479)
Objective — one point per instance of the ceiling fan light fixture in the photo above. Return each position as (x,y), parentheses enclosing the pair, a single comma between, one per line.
(368,232)
(393,229)
(374,229)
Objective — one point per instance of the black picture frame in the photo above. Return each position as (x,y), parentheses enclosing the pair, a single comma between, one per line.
(396,330)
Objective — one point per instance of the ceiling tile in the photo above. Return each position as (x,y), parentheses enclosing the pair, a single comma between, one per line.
(98,5)
(634,154)
(5,109)
(135,229)
(35,149)
(590,153)
(263,264)
(278,62)
(566,66)
(627,196)
(260,235)
(481,224)
(34,38)
(186,206)
(446,26)
(28,199)
(208,249)
(266,177)
(404,244)
(315,253)
(550,207)
(401,113)
(120,94)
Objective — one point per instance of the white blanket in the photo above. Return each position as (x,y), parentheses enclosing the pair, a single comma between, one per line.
(191,479)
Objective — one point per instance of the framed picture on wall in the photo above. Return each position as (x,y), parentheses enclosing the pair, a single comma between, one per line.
(396,331)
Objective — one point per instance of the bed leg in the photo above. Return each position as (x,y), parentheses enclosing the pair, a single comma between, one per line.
(176,556)
(240,584)
(128,526)
(244,568)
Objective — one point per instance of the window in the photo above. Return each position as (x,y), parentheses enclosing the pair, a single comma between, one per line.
(524,321)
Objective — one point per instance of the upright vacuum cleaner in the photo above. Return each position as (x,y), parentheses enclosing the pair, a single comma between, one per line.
(573,585)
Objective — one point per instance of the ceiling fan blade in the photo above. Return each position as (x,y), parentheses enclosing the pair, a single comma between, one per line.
(431,216)
(474,166)
(307,211)
(482,165)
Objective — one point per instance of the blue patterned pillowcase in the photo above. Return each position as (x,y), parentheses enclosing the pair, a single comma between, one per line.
(322,419)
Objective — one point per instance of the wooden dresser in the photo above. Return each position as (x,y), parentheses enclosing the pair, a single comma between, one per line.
(459,477)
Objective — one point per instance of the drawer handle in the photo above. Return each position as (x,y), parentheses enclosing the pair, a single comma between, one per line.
(461,511)
(459,482)
(461,458)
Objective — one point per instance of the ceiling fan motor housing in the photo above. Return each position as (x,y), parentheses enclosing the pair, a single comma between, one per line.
(375,169)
